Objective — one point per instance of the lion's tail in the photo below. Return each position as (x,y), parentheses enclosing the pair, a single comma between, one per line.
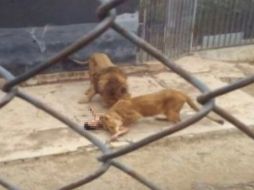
(191,103)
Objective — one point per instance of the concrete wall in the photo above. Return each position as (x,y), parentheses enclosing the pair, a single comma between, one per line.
(231,54)
(31,31)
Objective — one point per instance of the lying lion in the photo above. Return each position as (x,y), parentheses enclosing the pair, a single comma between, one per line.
(108,80)
(129,110)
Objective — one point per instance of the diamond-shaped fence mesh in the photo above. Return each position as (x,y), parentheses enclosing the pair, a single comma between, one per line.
(107,14)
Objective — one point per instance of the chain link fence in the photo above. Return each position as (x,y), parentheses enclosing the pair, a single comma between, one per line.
(107,15)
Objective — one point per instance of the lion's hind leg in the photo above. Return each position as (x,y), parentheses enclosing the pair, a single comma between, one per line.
(172,111)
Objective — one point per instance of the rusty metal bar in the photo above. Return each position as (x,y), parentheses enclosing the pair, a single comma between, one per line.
(88,178)
(227,26)
(193,22)
(173,31)
(135,175)
(9,96)
(214,29)
(232,17)
(179,5)
(237,123)
(8,185)
(106,9)
(251,23)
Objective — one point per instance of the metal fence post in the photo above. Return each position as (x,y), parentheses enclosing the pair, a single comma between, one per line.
(193,23)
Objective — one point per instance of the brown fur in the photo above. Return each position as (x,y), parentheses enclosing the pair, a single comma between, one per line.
(109,81)
(127,111)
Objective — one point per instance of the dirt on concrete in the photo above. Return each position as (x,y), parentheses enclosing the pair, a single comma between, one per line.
(214,163)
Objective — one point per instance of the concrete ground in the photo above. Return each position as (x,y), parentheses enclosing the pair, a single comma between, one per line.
(216,162)
(27,133)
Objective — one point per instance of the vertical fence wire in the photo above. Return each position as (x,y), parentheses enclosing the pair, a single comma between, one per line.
(212,24)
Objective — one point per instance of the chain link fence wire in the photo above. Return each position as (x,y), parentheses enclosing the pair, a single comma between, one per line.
(107,14)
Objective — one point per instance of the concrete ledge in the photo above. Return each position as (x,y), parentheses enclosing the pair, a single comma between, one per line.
(231,54)
(152,67)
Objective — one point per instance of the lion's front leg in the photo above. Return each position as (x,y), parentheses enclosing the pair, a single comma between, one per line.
(89,94)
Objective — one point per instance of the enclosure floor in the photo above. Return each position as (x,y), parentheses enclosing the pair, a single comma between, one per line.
(26,132)
(214,163)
